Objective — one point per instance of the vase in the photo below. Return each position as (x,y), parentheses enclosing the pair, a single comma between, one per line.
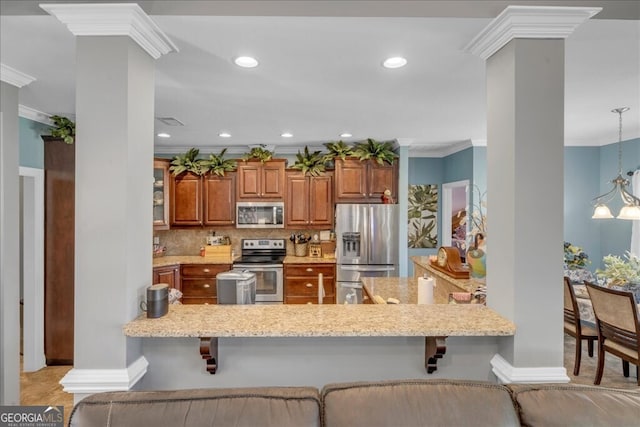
(477,260)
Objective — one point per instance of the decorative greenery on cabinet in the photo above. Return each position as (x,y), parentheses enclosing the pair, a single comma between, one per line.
(379,151)
(63,128)
(310,163)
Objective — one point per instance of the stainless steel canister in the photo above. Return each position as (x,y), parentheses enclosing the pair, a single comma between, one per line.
(157,300)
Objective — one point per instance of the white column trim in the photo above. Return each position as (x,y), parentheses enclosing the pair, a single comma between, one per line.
(116,19)
(35,115)
(529,22)
(508,374)
(33,266)
(14,77)
(89,381)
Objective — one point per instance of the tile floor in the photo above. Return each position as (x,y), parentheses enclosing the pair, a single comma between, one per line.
(43,388)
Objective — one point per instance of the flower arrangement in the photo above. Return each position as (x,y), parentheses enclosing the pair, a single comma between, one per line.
(575,257)
(617,271)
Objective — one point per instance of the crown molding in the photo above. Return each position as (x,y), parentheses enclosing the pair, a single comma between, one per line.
(14,77)
(441,150)
(508,374)
(528,22)
(33,114)
(88,381)
(115,19)
(235,150)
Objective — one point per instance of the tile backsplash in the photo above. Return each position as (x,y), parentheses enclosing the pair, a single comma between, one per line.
(189,241)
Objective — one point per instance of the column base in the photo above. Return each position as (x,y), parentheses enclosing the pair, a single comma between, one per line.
(508,374)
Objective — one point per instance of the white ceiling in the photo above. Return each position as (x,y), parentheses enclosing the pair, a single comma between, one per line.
(322,75)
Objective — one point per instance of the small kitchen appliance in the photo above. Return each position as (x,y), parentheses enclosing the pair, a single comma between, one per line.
(236,287)
(157,304)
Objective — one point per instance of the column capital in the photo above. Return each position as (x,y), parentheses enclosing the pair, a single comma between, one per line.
(123,19)
(528,22)
(14,77)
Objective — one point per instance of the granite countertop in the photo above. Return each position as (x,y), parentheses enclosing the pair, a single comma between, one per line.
(329,320)
(467,285)
(404,289)
(290,259)
(188,259)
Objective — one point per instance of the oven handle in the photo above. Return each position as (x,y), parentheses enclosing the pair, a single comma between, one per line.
(257,267)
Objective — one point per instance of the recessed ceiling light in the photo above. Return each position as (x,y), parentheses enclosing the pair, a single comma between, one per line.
(164,135)
(395,62)
(224,135)
(286,135)
(345,135)
(246,62)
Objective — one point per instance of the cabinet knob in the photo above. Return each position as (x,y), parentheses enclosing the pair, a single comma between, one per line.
(309,285)
(309,269)
(206,270)
(206,285)
(309,303)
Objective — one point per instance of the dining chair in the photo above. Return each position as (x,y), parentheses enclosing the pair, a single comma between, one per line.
(618,328)
(574,327)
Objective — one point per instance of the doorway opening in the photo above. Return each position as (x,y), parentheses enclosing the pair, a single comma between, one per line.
(455,208)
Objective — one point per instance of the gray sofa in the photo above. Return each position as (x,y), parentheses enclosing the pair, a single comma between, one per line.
(384,403)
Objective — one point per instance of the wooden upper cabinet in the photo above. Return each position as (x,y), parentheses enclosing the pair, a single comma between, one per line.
(364,181)
(186,199)
(381,177)
(161,194)
(259,181)
(309,200)
(220,199)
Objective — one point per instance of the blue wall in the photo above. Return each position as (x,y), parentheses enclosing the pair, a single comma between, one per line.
(31,144)
(588,173)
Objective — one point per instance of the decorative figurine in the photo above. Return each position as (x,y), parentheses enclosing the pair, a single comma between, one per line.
(386,197)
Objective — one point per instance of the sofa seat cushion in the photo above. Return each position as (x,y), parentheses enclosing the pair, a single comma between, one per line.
(418,403)
(576,405)
(260,406)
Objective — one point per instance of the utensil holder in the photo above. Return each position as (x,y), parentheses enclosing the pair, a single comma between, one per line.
(300,249)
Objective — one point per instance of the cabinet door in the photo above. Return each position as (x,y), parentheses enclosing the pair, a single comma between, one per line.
(249,180)
(273,179)
(350,180)
(161,194)
(382,177)
(186,199)
(168,274)
(321,201)
(220,199)
(297,206)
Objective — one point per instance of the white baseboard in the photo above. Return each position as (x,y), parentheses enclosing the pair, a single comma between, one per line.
(508,374)
(90,381)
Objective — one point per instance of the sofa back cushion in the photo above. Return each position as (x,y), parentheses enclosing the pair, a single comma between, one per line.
(261,406)
(418,403)
(576,405)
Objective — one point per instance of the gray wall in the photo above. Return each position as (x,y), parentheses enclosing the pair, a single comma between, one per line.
(9,247)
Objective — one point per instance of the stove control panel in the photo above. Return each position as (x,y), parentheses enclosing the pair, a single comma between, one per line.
(263,244)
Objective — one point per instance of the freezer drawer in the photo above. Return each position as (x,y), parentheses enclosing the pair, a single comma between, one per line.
(354,273)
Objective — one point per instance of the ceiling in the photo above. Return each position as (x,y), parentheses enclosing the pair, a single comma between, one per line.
(320,72)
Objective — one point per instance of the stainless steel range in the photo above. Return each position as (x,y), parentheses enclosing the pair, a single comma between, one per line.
(264,257)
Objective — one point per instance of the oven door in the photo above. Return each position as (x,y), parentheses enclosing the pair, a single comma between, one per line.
(269,281)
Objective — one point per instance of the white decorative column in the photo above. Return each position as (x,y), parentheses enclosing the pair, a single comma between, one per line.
(115,52)
(524,49)
(11,80)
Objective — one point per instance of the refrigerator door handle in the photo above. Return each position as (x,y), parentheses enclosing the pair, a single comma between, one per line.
(367,268)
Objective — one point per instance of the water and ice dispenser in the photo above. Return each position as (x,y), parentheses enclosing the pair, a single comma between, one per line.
(351,244)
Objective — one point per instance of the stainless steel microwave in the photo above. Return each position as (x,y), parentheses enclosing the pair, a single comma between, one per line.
(260,215)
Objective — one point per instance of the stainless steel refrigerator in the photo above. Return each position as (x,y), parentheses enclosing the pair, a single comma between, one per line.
(366,246)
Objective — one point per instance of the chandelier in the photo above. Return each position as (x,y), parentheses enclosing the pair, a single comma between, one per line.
(631,208)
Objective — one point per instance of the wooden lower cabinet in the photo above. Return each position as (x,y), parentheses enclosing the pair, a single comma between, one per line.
(169,274)
(301,283)
(198,282)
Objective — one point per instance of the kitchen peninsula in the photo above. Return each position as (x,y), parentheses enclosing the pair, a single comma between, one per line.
(313,344)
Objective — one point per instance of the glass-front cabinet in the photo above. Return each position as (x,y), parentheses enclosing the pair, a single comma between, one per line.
(161,194)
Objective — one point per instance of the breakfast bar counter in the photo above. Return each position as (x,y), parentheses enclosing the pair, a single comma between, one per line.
(328,320)
(432,323)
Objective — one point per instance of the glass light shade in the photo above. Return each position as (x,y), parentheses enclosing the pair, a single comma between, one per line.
(629,212)
(602,212)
